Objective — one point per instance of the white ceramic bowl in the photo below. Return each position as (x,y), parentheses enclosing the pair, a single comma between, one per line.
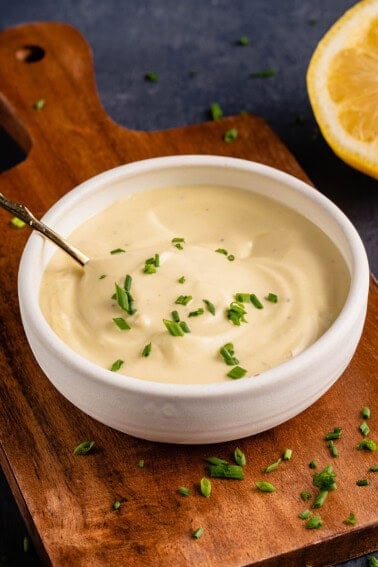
(207,413)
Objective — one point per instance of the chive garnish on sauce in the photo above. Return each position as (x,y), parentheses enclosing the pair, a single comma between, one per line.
(183,299)
(174,328)
(272,297)
(117,365)
(197,312)
(235,313)
(228,354)
(184,326)
(147,350)
(175,316)
(117,251)
(121,323)
(237,372)
(221,251)
(102,276)
(256,302)
(128,282)
(151,264)
(181,280)
(178,242)
(210,306)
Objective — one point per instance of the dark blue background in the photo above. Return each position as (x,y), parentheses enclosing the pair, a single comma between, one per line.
(193,47)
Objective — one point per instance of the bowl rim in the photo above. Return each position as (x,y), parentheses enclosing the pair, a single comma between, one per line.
(359,272)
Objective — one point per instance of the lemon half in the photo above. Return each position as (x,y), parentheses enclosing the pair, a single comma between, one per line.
(342,82)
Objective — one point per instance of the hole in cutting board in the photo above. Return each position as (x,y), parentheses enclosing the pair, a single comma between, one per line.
(30,53)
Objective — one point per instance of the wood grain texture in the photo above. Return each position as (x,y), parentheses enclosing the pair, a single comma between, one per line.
(67,500)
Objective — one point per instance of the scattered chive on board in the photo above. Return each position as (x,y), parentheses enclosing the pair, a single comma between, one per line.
(305,496)
(141,463)
(304,515)
(314,523)
(287,454)
(17,223)
(365,412)
(240,458)
(351,520)
(184,491)
(226,471)
(230,135)
(362,482)
(197,533)
(320,499)
(313,465)
(265,486)
(367,445)
(83,448)
(205,487)
(116,505)
(364,428)
(273,467)
(39,104)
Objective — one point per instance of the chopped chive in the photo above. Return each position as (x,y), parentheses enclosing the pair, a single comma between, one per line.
(116,365)
(230,135)
(335,434)
(314,523)
(117,251)
(175,316)
(39,104)
(325,480)
(320,499)
(216,461)
(287,454)
(210,306)
(263,74)
(237,372)
(178,242)
(128,282)
(17,223)
(243,297)
(351,520)
(216,112)
(151,76)
(181,280)
(374,468)
(313,464)
(116,505)
(230,257)
(149,269)
(184,326)
(25,544)
(256,302)
(121,323)
(147,350)
(365,412)
(227,351)
(197,312)
(114,296)
(304,515)
(272,297)
(372,561)
(205,487)
(83,448)
(273,467)
(364,428)
(221,251)
(244,40)
(102,276)
(367,445)
(362,482)
(173,328)
(183,299)
(122,298)
(333,449)
(240,458)
(184,491)
(305,496)
(141,463)
(312,21)
(226,471)
(151,264)
(235,313)
(265,486)
(198,533)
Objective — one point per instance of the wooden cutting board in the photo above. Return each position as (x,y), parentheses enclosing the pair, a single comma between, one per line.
(66,500)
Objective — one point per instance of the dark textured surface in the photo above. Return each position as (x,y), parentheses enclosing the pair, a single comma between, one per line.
(193,47)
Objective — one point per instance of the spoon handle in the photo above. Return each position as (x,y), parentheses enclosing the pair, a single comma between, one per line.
(23,213)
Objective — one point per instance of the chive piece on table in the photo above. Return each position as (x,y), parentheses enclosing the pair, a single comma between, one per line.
(116,505)
(273,467)
(305,496)
(313,464)
(83,448)
(216,461)
(265,486)
(226,471)
(147,350)
(121,323)
(333,449)
(364,428)
(335,434)
(141,463)
(314,523)
(210,306)
(351,520)
(374,468)
(240,458)
(184,491)
(197,533)
(237,372)
(365,412)
(230,135)
(216,112)
(304,515)
(320,499)
(287,454)
(205,487)
(116,365)
(367,445)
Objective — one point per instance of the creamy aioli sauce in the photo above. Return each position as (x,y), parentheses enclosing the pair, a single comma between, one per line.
(276,251)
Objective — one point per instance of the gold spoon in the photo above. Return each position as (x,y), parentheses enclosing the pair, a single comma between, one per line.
(23,213)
